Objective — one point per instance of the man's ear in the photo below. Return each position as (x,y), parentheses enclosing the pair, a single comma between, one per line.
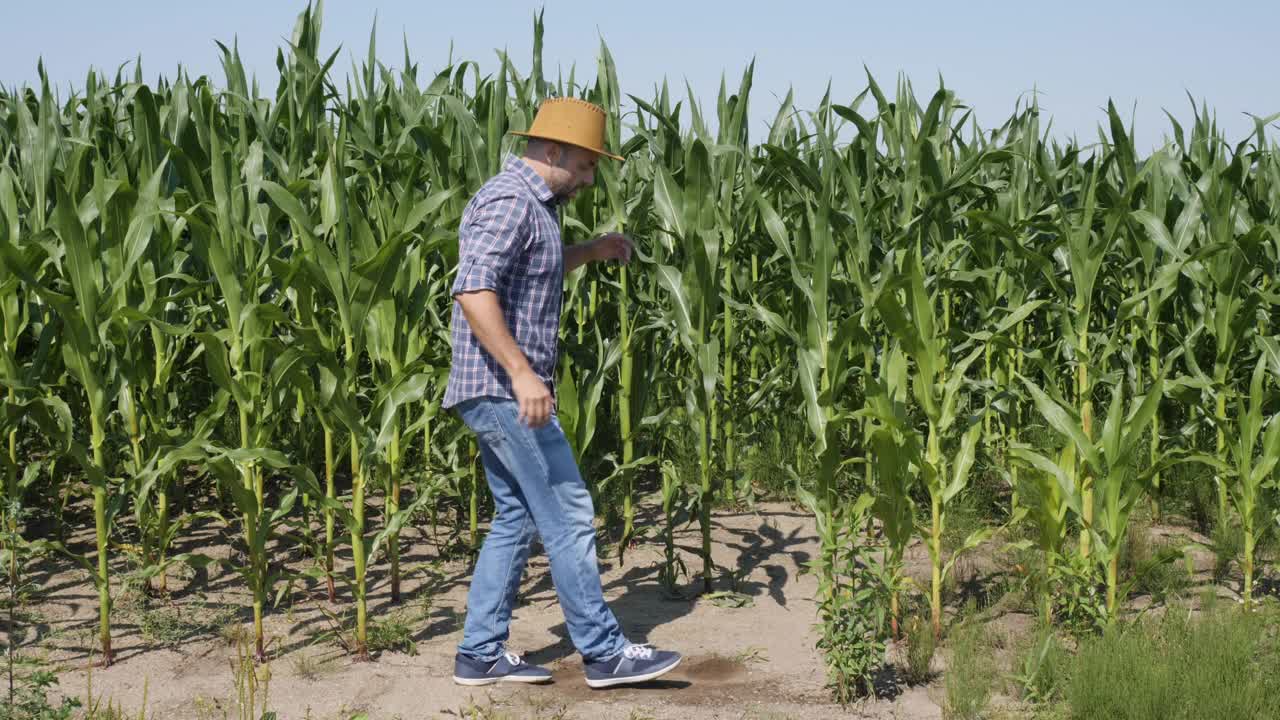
(553,154)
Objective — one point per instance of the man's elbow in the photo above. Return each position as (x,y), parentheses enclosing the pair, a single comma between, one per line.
(477,302)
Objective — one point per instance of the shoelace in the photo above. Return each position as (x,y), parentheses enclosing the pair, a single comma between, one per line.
(512,658)
(638,652)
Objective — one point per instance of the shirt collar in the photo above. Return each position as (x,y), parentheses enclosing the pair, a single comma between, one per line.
(530,177)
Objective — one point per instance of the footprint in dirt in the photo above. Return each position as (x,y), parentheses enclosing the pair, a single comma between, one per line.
(698,680)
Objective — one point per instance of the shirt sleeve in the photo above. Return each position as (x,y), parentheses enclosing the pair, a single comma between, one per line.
(490,242)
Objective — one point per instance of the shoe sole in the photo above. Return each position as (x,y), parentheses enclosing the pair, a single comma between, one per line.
(633,679)
(476,682)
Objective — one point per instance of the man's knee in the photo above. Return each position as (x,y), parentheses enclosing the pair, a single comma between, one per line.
(517,526)
(571,532)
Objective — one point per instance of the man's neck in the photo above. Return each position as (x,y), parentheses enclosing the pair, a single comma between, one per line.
(544,171)
(540,167)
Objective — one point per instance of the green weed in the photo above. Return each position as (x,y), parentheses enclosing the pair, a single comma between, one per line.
(1225,666)
(971,674)
(920,649)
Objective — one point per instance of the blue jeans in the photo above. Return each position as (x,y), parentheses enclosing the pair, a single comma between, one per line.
(536,485)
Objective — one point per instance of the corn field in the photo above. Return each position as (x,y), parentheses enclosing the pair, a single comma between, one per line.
(224,303)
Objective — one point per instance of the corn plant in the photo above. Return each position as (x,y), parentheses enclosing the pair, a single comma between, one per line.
(895,447)
(823,338)
(1085,252)
(937,381)
(1249,467)
(688,214)
(1112,460)
(637,369)
(105,225)
(401,220)
(245,356)
(1228,317)
(1044,499)
(19,379)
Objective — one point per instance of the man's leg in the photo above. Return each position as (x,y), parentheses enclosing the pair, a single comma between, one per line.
(557,498)
(503,556)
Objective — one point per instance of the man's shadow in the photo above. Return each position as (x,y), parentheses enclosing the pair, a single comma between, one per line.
(645,604)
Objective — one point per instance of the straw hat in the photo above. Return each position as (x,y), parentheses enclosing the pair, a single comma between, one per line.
(570,121)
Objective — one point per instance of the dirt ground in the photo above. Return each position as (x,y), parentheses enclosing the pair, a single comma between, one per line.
(757,661)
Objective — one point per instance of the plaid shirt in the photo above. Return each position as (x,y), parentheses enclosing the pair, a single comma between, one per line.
(508,242)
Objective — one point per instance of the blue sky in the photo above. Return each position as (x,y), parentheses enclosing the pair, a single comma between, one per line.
(1077,54)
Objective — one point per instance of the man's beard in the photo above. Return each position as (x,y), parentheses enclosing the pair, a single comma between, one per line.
(563,196)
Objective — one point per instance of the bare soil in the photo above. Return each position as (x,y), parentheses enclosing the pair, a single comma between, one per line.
(753,662)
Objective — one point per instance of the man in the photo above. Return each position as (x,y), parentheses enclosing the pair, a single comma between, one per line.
(505,331)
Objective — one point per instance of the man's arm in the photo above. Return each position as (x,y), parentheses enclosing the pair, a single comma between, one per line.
(488,244)
(484,314)
(578,255)
(612,246)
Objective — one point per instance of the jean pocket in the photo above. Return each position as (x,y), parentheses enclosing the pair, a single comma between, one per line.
(480,415)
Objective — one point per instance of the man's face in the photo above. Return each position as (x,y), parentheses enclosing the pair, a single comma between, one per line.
(572,170)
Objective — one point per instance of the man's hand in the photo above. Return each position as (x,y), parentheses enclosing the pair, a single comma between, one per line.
(613,246)
(484,314)
(534,398)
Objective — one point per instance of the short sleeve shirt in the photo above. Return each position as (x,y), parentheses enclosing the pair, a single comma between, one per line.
(508,242)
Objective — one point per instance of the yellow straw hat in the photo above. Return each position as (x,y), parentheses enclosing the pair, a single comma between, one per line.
(570,121)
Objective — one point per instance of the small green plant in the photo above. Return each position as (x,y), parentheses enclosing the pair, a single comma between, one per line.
(1209,600)
(393,632)
(766,457)
(971,674)
(751,655)
(853,598)
(311,666)
(537,709)
(733,596)
(920,648)
(112,711)
(1044,667)
(27,694)
(28,699)
(252,683)
(98,708)
(964,518)
(673,567)
(1075,594)
(234,633)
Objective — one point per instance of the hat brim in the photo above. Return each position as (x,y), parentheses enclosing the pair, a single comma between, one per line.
(562,141)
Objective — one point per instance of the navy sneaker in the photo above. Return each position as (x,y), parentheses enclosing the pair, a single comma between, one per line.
(508,668)
(635,664)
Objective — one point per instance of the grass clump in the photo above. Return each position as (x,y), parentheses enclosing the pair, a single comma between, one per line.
(1228,546)
(971,674)
(920,649)
(1225,665)
(1154,567)
(312,667)
(1043,670)
(169,625)
(393,632)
